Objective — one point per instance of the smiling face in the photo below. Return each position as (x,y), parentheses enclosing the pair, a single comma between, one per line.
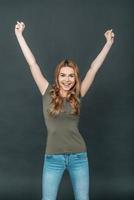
(66,79)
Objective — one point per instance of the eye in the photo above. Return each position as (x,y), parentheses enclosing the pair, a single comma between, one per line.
(72,75)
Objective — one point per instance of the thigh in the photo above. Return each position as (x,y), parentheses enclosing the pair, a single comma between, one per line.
(52,173)
(79,173)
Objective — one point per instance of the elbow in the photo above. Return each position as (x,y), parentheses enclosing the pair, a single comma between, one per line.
(32,63)
(94,68)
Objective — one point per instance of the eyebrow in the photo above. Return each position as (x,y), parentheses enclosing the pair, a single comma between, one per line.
(69,74)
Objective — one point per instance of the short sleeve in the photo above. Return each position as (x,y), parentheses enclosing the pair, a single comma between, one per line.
(47,90)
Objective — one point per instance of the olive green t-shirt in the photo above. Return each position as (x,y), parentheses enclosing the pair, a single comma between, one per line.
(62,131)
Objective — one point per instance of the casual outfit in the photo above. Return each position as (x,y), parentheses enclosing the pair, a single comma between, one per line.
(65,149)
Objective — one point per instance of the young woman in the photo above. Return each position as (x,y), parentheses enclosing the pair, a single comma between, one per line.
(66,148)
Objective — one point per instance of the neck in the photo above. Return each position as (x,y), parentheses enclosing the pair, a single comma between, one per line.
(63,93)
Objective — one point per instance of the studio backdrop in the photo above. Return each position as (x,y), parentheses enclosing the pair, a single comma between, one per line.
(55,30)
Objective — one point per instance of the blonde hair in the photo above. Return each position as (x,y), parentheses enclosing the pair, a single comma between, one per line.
(73,96)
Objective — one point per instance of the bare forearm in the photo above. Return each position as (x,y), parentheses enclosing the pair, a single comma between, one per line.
(40,80)
(26,50)
(96,64)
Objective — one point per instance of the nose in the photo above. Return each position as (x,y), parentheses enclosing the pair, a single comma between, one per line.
(67,78)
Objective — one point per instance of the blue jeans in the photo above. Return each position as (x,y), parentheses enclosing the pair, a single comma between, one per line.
(54,167)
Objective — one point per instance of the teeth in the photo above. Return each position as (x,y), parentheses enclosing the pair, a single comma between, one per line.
(66,84)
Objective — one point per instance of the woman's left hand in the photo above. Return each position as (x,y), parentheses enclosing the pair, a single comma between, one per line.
(109,35)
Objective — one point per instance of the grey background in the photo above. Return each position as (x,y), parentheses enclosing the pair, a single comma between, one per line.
(58,29)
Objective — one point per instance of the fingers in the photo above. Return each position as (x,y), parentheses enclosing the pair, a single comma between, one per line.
(109,32)
(109,35)
(17,26)
(112,35)
(20,25)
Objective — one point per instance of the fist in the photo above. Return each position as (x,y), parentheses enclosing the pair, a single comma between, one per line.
(19,27)
(109,35)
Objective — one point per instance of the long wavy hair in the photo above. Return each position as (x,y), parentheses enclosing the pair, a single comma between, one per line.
(73,95)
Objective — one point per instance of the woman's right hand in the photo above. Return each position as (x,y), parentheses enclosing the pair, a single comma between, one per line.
(19,28)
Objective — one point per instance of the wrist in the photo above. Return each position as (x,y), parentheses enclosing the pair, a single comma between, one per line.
(18,35)
(109,43)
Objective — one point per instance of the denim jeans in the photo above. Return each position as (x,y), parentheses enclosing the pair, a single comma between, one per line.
(53,169)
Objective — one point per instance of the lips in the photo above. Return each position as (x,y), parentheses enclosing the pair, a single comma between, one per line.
(66,84)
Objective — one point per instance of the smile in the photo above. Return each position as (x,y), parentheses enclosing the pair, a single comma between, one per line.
(66,84)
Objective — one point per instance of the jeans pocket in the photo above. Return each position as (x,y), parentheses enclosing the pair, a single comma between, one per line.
(48,156)
(54,157)
(82,155)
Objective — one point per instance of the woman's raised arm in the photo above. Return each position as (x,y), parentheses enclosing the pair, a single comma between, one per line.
(40,80)
(98,61)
